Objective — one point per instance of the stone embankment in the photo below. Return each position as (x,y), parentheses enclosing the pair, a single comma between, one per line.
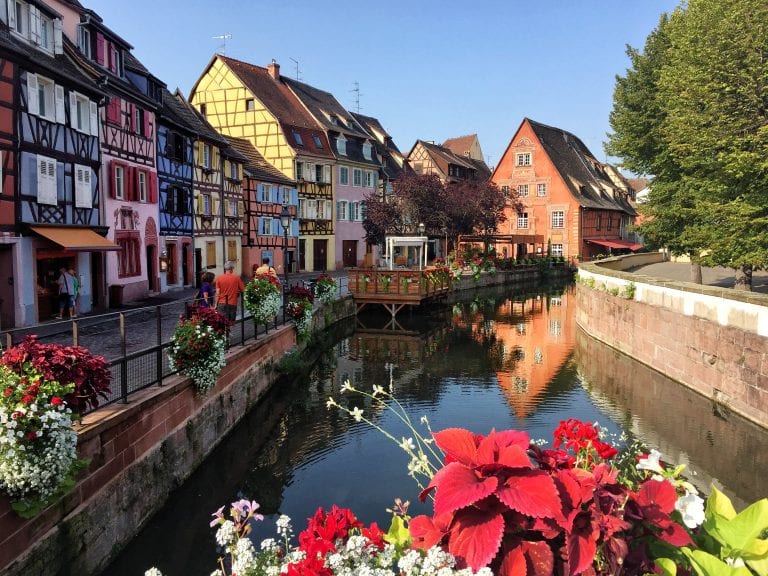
(713,340)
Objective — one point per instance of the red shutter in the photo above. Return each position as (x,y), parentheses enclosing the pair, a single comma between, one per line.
(132,121)
(99,48)
(111,186)
(133,189)
(147,126)
(153,187)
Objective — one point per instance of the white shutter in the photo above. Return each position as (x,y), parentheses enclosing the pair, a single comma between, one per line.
(58,93)
(327,174)
(46,181)
(34,24)
(33,102)
(73,109)
(83,187)
(58,42)
(309,172)
(94,120)
(11,14)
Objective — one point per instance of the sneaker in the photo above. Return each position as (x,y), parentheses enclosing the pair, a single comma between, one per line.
(57,317)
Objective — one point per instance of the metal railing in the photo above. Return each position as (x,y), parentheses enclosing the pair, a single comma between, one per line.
(134,342)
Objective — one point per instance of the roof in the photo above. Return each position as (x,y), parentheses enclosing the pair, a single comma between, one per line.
(327,111)
(442,157)
(58,66)
(195,120)
(638,184)
(461,144)
(277,97)
(393,161)
(584,175)
(255,164)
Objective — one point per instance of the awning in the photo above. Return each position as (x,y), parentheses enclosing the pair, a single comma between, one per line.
(622,244)
(75,239)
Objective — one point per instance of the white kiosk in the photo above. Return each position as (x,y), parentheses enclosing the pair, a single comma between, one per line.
(392,242)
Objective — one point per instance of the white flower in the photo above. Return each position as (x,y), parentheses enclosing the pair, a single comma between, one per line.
(691,507)
(357,414)
(330,403)
(407,444)
(346,387)
(226,534)
(651,462)
(377,390)
(153,572)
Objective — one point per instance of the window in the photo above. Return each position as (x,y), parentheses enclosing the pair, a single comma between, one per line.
(557,250)
(522,219)
(18,15)
(317,141)
(44,98)
(341,210)
(83,114)
(522,190)
(46,181)
(541,189)
(118,186)
(599,222)
(357,177)
(344,175)
(265,227)
(250,105)
(234,170)
(370,179)
(324,209)
(297,138)
(505,191)
(232,207)
(210,254)
(418,167)
(175,147)
(524,159)
(232,250)
(84,40)
(319,173)
(299,170)
(206,205)
(341,145)
(45,32)
(206,156)
(610,221)
(558,219)
(128,260)
(367,150)
(178,201)
(142,184)
(354,212)
(138,121)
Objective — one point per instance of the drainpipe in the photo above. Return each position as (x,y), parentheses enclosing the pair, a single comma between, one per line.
(221,210)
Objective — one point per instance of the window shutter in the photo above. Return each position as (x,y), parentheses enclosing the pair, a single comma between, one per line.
(259,226)
(338,208)
(130,183)
(147,124)
(34,24)
(280,194)
(33,102)
(94,117)
(153,187)
(58,40)
(72,109)
(327,174)
(294,197)
(100,48)
(200,205)
(295,228)
(309,172)
(61,116)
(259,192)
(11,15)
(135,183)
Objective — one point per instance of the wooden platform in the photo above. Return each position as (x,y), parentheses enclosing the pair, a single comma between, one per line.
(395,289)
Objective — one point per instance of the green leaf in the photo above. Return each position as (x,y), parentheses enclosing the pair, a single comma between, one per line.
(398,534)
(704,564)
(667,566)
(741,533)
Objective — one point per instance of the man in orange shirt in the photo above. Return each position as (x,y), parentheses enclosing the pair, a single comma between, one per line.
(228,286)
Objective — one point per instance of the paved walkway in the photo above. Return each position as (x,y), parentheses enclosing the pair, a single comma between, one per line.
(719,276)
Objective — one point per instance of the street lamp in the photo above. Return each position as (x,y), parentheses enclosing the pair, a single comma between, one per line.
(421,228)
(285,221)
(423,253)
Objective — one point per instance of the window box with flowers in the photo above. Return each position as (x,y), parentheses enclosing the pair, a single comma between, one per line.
(384,281)
(299,308)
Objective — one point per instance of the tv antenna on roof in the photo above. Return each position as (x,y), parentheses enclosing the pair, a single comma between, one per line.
(223,38)
(296,62)
(357,92)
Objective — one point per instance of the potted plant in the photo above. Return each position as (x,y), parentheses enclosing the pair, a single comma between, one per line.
(262,297)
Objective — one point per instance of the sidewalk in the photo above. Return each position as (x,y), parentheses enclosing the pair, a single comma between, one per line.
(717,276)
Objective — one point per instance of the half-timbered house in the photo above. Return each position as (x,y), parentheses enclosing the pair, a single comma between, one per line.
(392,162)
(255,103)
(430,158)
(265,192)
(128,153)
(571,205)
(53,169)
(355,175)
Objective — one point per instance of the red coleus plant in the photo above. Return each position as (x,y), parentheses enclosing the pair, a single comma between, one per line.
(301,293)
(66,365)
(500,501)
(212,318)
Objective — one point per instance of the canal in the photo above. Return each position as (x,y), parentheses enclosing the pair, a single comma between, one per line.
(502,359)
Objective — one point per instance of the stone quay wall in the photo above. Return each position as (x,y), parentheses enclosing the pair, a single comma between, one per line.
(712,340)
(139,453)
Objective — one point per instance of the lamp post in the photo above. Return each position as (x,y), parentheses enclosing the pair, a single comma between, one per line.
(285,221)
(423,255)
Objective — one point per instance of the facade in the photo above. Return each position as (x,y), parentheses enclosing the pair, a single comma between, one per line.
(49,141)
(265,192)
(392,163)
(255,103)
(571,204)
(355,176)
(430,158)
(128,144)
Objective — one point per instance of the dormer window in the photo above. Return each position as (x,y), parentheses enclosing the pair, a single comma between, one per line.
(84,40)
(33,25)
(318,142)
(341,145)
(297,138)
(367,150)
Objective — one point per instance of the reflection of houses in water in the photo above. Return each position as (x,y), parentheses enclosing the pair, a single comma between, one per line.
(531,340)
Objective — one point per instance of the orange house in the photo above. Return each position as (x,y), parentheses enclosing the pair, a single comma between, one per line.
(570,200)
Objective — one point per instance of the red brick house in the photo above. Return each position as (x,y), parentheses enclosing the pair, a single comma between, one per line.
(573,204)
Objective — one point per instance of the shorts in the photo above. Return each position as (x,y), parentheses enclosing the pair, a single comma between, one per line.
(228,310)
(65,301)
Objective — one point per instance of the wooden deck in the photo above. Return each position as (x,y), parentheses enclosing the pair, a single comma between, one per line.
(395,289)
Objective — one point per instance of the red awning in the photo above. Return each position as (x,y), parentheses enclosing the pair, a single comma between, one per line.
(621,244)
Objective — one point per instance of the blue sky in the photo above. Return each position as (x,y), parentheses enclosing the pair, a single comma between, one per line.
(427,69)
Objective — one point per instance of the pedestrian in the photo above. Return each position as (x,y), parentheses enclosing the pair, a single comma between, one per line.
(265,268)
(205,295)
(228,286)
(76,292)
(66,288)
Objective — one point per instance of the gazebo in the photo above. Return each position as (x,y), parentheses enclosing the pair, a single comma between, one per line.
(392,242)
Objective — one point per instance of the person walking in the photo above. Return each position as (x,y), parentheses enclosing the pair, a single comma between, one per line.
(66,285)
(75,293)
(228,286)
(205,295)
(265,268)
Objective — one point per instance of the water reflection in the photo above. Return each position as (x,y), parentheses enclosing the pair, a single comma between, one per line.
(500,360)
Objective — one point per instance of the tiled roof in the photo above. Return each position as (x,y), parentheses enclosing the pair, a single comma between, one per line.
(255,163)
(393,162)
(460,145)
(324,106)
(638,184)
(582,173)
(194,119)
(277,97)
(442,157)
(60,66)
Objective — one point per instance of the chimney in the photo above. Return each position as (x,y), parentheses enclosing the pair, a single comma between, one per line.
(274,69)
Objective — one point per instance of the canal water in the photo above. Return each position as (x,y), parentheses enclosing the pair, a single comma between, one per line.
(502,359)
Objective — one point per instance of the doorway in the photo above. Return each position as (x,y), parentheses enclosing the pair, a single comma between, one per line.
(198,266)
(320,255)
(173,262)
(522,250)
(151,268)
(185,264)
(302,254)
(7,319)
(349,253)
